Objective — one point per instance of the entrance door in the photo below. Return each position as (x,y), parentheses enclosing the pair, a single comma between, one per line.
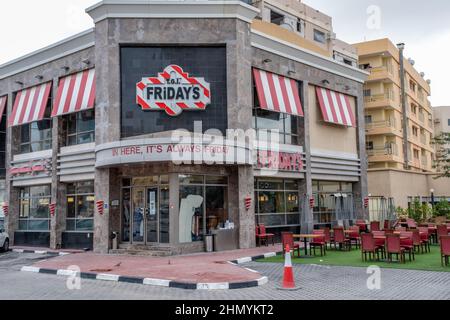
(152,217)
(139,216)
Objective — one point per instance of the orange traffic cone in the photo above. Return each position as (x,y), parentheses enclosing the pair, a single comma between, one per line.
(288,277)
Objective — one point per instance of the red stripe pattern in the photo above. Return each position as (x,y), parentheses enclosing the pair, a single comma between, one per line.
(277,93)
(75,93)
(335,107)
(100,207)
(3,105)
(173,107)
(30,105)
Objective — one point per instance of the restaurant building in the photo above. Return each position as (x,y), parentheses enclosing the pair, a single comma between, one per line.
(173,120)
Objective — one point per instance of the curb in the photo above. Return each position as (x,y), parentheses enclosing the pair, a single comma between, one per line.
(51,253)
(148,281)
(158,282)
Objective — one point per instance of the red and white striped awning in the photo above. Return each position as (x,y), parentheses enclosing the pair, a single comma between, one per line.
(75,93)
(336,107)
(2,105)
(277,93)
(30,104)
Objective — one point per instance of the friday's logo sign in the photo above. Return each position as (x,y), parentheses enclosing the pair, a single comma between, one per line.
(173,91)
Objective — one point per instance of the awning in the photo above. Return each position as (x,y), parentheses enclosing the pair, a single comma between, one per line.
(277,93)
(75,93)
(30,104)
(336,107)
(2,105)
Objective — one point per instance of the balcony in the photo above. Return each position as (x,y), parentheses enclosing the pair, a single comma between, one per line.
(384,153)
(383,100)
(387,127)
(381,73)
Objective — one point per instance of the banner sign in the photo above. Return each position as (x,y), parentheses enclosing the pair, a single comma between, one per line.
(32,168)
(173,91)
(282,161)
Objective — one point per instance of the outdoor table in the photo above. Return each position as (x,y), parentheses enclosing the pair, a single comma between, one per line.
(305,238)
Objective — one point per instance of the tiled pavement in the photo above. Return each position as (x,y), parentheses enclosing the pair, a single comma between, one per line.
(316,282)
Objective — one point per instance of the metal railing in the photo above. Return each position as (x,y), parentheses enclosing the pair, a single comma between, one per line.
(379,97)
(381,124)
(383,151)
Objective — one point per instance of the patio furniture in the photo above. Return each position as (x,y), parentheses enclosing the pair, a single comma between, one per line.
(354,236)
(318,242)
(387,224)
(262,237)
(340,239)
(305,238)
(417,241)
(400,229)
(375,226)
(362,225)
(407,243)
(287,238)
(329,239)
(393,246)
(441,230)
(425,238)
(411,223)
(368,246)
(445,250)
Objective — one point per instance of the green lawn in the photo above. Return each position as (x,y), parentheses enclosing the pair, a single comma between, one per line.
(427,261)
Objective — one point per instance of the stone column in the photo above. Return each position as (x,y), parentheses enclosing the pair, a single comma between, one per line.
(102,234)
(107,126)
(306,184)
(246,188)
(58,221)
(12,194)
(360,189)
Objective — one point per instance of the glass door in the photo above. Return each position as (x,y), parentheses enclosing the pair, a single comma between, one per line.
(152,216)
(139,209)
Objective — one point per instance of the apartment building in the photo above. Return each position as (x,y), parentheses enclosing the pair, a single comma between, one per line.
(93,126)
(398,136)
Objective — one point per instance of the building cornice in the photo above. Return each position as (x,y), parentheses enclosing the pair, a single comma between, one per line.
(172,9)
(288,50)
(53,52)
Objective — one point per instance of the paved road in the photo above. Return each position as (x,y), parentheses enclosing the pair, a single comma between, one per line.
(316,283)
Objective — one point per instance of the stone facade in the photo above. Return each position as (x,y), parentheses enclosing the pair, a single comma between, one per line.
(235,33)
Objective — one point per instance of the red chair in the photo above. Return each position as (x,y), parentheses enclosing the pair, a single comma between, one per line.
(287,238)
(387,225)
(354,236)
(328,238)
(445,249)
(411,223)
(362,225)
(425,238)
(375,226)
(319,242)
(400,229)
(393,246)
(408,244)
(340,239)
(417,241)
(269,236)
(369,246)
(442,231)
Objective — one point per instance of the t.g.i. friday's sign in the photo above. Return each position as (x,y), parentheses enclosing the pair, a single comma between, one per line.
(173,91)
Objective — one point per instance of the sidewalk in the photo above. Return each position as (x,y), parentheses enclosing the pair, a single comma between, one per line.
(195,268)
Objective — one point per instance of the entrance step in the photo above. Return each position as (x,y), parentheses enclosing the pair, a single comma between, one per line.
(147,253)
(145,250)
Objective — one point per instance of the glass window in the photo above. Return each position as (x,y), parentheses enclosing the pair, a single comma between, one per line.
(319,36)
(203,206)
(277,202)
(36,136)
(80,206)
(34,208)
(80,127)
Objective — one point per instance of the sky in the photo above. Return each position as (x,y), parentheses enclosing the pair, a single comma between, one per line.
(28,25)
